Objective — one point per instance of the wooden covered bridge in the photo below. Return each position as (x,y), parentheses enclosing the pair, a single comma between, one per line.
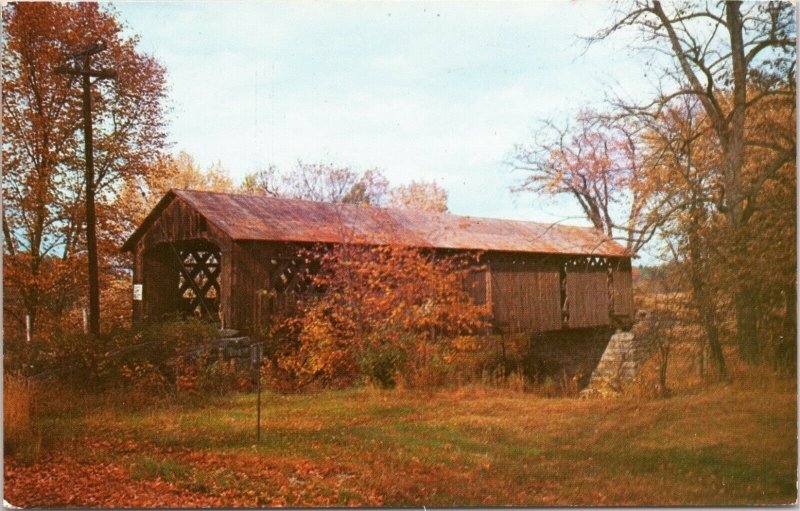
(215,254)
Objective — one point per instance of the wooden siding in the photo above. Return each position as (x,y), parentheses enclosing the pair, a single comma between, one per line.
(475,284)
(524,291)
(258,288)
(154,268)
(137,278)
(587,297)
(525,295)
(180,222)
(251,276)
(623,289)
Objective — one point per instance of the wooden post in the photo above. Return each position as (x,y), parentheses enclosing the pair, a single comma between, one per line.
(255,359)
(489,289)
(91,218)
(258,407)
(86,72)
(28,327)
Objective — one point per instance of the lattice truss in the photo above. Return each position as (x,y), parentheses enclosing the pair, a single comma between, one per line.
(203,268)
(290,273)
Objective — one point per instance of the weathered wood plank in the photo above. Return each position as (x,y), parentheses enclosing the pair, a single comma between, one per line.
(525,295)
(523,290)
(587,297)
(623,289)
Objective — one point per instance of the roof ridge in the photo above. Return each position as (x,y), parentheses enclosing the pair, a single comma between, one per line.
(556,224)
(243,216)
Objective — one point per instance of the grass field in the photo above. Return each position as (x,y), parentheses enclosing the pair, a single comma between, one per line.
(721,445)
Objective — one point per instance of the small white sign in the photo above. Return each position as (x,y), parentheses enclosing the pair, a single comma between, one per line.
(137,292)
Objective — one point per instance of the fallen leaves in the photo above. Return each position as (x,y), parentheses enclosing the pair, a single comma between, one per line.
(213,480)
(488,450)
(66,482)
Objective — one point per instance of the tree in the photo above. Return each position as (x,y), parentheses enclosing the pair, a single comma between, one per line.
(734,58)
(321,182)
(679,161)
(138,197)
(420,196)
(597,161)
(187,174)
(43,186)
(375,311)
(329,183)
(263,182)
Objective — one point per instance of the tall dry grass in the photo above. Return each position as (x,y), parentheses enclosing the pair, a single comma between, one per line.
(26,406)
(18,395)
(686,375)
(18,428)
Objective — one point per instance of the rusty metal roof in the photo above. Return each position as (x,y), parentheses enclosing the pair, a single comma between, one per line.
(258,217)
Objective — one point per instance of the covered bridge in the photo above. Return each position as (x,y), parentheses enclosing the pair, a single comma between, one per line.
(216,254)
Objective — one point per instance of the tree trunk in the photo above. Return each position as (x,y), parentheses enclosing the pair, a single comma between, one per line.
(663,363)
(746,330)
(702,300)
(701,360)
(786,353)
(31,326)
(733,146)
(708,318)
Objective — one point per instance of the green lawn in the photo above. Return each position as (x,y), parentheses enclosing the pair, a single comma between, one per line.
(465,447)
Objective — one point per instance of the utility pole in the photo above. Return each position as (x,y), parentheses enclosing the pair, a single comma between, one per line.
(256,359)
(81,66)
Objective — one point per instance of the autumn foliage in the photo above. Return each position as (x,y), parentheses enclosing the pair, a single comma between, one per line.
(374,312)
(43,161)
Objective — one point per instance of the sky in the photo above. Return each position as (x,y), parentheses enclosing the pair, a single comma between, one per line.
(437,91)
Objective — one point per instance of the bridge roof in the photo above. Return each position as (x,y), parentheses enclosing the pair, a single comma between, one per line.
(265,218)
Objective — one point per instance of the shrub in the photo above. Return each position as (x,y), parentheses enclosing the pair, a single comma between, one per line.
(369,308)
(209,376)
(278,379)
(381,366)
(145,379)
(123,358)
(150,353)
(435,373)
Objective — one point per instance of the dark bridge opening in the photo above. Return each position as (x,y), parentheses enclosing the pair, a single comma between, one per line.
(183,278)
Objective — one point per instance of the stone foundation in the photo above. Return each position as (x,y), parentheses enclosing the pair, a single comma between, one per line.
(621,361)
(574,353)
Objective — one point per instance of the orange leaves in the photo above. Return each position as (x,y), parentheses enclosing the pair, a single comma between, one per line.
(419,196)
(378,306)
(198,376)
(69,483)
(43,164)
(145,377)
(593,161)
